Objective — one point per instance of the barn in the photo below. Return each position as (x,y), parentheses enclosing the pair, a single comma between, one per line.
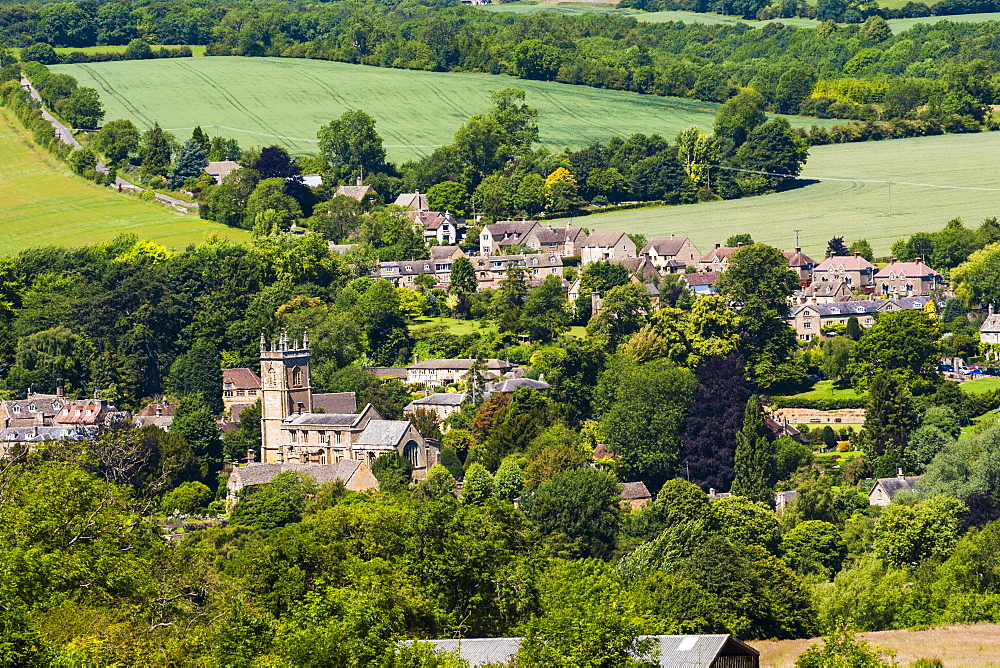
(701,651)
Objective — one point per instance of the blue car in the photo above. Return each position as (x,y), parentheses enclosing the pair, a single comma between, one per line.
(946,367)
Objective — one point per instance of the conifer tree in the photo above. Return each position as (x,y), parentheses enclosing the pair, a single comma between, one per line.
(155,153)
(753,463)
(190,162)
(200,138)
(889,418)
(853,330)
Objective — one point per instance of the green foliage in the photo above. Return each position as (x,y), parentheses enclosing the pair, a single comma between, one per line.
(392,471)
(578,511)
(889,417)
(351,144)
(814,546)
(509,480)
(753,462)
(186,498)
(841,650)
(903,343)
(155,153)
(907,535)
(274,504)
(199,371)
(190,161)
(746,522)
(478,485)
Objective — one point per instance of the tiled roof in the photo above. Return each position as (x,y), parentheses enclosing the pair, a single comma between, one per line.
(38,434)
(640,267)
(260,474)
(824,288)
(720,252)
(383,432)
(416,201)
(845,262)
(892,486)
(439,253)
(702,278)
(221,169)
(512,384)
(336,402)
(991,324)
(797,258)
(915,269)
(603,239)
(387,372)
(241,379)
(515,227)
(354,192)
(464,363)
(157,410)
(632,491)
(664,246)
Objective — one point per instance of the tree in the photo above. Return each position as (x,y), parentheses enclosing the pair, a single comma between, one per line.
(889,417)
(853,330)
(746,522)
(39,52)
(840,648)
(510,299)
(623,312)
(351,143)
(533,59)
(275,163)
(835,246)
(518,121)
(743,239)
(478,485)
(392,471)
(907,535)
(836,356)
(480,144)
(337,219)
(862,248)
(199,137)
(774,149)
(273,504)
(448,196)
(561,189)
(546,314)
(641,409)
(199,371)
(190,162)
(117,140)
(195,422)
(977,280)
(740,115)
(904,344)
(753,461)
(463,276)
(509,480)
(83,109)
(270,209)
(81,161)
(794,85)
(138,49)
(814,547)
(713,417)
(758,282)
(155,153)
(186,498)
(579,511)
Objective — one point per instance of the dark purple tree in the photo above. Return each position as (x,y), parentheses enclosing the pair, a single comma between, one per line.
(715,414)
(275,163)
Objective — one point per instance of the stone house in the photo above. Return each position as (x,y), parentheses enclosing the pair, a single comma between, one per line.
(907,279)
(801,264)
(717,259)
(490,270)
(403,273)
(808,320)
(415,201)
(824,292)
(355,475)
(600,246)
(671,254)
(857,272)
(239,386)
(155,414)
(884,489)
(635,495)
(565,241)
(434,225)
(989,333)
(219,170)
(495,238)
(438,373)
(442,404)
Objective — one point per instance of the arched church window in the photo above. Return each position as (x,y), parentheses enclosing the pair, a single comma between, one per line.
(411,451)
(297,377)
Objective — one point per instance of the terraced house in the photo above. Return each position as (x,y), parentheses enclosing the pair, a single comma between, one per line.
(907,279)
(808,320)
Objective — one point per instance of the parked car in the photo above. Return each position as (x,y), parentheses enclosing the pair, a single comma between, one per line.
(946,367)
(978,372)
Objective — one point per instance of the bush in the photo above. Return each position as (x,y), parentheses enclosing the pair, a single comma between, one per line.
(820,404)
(186,498)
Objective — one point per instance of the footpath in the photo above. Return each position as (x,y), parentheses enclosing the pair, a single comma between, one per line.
(65,135)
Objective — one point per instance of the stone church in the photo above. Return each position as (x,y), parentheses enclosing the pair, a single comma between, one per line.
(291,433)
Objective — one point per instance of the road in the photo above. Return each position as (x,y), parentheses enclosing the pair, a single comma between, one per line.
(65,135)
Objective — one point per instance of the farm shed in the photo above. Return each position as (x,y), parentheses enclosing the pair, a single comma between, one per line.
(706,651)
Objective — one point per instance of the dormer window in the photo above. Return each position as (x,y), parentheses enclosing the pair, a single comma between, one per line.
(861,309)
(31,408)
(56,405)
(90,412)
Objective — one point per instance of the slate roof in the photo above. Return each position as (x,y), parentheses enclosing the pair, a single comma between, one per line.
(219,170)
(528,261)
(383,432)
(603,239)
(260,474)
(674,651)
(892,486)
(720,252)
(336,402)
(235,410)
(824,288)
(517,228)
(512,384)
(635,491)
(991,324)
(415,200)
(640,267)
(152,410)
(39,434)
(862,306)
(665,246)
(846,262)
(462,364)
(325,419)
(558,235)
(241,379)
(441,253)
(437,399)
(387,372)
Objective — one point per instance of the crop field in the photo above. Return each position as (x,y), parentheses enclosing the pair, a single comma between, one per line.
(900,25)
(285,101)
(197,50)
(646,17)
(43,203)
(852,209)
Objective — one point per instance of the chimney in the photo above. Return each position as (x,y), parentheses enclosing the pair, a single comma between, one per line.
(857,255)
(899,474)
(739,244)
(358,180)
(892,260)
(798,249)
(416,358)
(718,246)
(59,391)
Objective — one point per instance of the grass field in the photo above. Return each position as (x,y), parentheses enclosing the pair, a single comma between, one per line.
(853,210)
(646,17)
(415,111)
(825,389)
(197,50)
(900,25)
(957,646)
(43,203)
(981,385)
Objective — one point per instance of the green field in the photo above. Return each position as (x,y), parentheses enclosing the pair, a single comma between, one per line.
(981,385)
(268,98)
(43,203)
(197,50)
(849,209)
(645,17)
(900,25)
(825,389)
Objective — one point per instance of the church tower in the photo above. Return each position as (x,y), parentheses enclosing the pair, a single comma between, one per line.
(285,390)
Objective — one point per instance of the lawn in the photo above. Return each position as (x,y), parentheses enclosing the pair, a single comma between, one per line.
(461,327)
(43,203)
(853,209)
(981,385)
(268,98)
(825,389)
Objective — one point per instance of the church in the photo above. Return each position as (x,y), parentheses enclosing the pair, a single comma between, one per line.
(291,433)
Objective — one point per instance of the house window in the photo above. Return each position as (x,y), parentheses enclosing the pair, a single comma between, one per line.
(17,409)
(252,393)
(31,408)
(239,393)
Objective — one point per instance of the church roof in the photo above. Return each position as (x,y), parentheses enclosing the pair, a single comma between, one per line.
(383,432)
(260,474)
(336,402)
(325,419)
